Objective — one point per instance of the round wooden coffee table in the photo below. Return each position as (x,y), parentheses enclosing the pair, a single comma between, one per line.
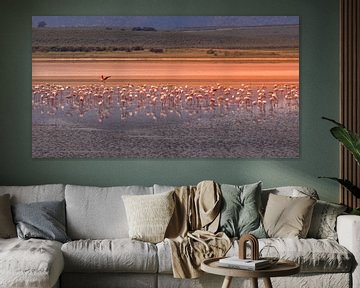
(281,268)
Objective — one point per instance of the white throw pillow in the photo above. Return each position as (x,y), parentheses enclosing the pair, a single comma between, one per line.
(149,215)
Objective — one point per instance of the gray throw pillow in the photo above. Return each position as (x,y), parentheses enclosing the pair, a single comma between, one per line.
(323,222)
(44,220)
(7,227)
(240,213)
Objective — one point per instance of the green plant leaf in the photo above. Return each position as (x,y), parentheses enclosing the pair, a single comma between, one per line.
(347,184)
(333,121)
(355,211)
(349,139)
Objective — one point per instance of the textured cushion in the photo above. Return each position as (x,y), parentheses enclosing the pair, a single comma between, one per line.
(323,222)
(32,263)
(117,255)
(7,227)
(44,220)
(98,213)
(240,210)
(36,193)
(149,215)
(287,216)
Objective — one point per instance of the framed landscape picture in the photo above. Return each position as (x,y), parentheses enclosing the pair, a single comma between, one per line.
(165,87)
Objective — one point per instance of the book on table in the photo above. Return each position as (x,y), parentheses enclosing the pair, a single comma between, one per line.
(249,264)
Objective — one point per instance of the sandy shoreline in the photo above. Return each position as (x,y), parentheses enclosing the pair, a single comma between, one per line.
(275,136)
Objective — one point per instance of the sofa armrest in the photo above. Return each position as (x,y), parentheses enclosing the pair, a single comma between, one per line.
(348,230)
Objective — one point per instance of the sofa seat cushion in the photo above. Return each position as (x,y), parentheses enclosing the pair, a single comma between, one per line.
(313,255)
(30,263)
(115,255)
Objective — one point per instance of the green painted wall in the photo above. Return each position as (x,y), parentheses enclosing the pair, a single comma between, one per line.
(319,74)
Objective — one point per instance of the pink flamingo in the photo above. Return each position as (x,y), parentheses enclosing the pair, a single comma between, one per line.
(104,78)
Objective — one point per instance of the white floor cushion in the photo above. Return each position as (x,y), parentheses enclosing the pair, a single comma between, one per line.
(30,263)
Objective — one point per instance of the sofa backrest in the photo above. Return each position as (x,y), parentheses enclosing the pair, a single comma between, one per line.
(36,193)
(163,188)
(98,212)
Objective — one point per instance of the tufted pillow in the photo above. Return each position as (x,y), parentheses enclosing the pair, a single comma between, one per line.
(288,217)
(240,213)
(323,222)
(149,215)
(7,226)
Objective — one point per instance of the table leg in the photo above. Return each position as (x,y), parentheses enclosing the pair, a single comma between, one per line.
(227,282)
(254,282)
(267,283)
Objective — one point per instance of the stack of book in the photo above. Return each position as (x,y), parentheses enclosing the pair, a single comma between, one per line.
(248,264)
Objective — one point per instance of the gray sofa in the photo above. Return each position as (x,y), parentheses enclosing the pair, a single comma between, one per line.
(101,254)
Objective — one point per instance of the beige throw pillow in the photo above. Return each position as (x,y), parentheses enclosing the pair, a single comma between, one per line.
(149,215)
(288,217)
(7,226)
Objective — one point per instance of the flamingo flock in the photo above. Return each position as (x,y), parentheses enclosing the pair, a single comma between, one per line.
(162,101)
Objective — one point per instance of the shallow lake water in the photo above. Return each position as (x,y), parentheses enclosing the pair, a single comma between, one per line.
(169,114)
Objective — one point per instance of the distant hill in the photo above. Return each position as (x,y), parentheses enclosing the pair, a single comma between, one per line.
(164,22)
(116,39)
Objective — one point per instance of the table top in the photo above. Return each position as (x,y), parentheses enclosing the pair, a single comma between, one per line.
(281,268)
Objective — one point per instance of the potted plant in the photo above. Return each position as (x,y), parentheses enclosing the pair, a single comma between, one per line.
(351,141)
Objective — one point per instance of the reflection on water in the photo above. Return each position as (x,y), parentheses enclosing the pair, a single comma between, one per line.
(130,105)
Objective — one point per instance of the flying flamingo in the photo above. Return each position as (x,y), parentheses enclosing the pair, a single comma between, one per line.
(104,78)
